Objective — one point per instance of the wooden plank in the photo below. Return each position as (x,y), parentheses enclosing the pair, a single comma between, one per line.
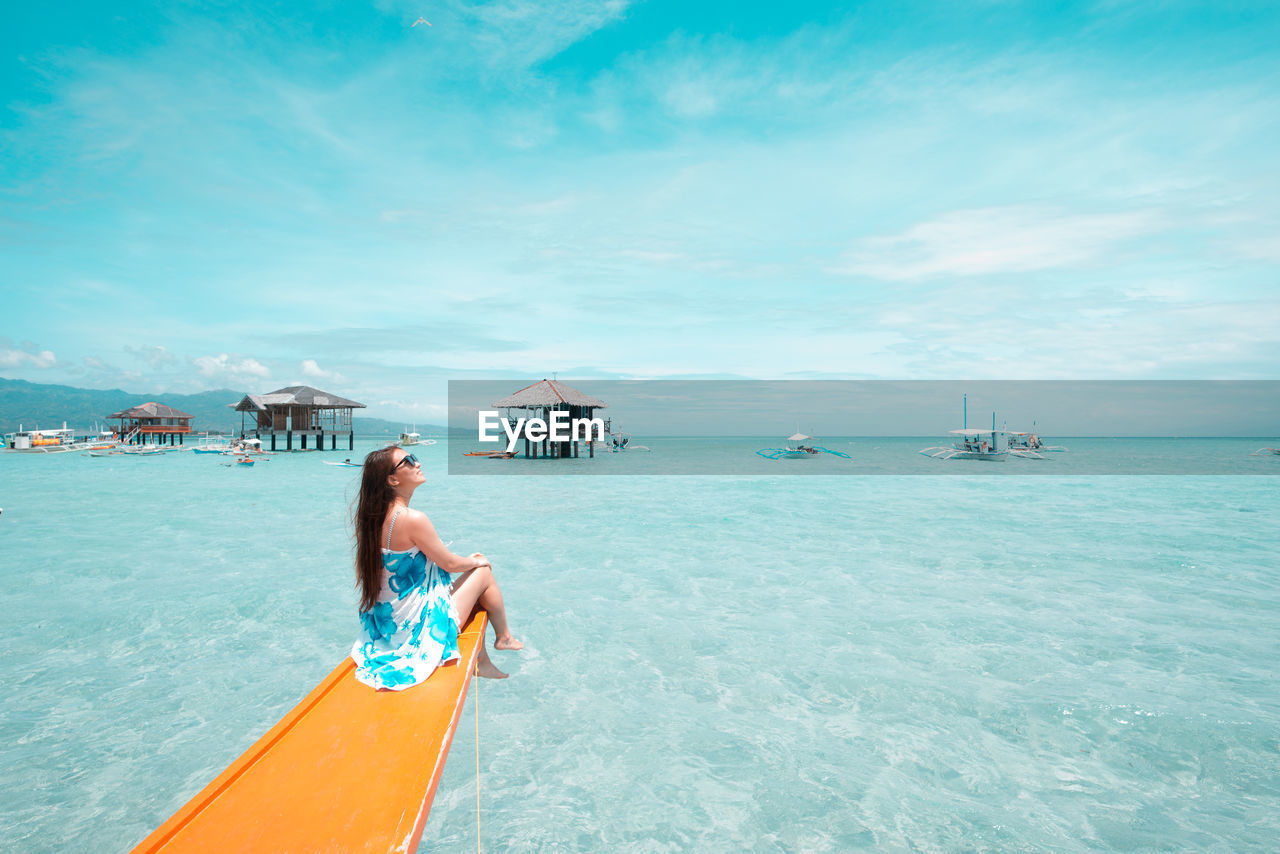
(347,769)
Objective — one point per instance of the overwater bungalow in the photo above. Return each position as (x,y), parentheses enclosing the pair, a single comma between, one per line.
(541,399)
(298,410)
(153,422)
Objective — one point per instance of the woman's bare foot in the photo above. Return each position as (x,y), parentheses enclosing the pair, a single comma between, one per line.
(488,671)
(485,668)
(507,642)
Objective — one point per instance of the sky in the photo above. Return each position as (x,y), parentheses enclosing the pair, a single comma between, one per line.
(202,195)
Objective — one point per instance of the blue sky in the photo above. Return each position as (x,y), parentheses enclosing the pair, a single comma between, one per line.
(207,195)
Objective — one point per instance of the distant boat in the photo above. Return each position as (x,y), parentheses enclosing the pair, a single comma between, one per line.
(621,441)
(213,445)
(1262,452)
(1030,445)
(413,438)
(58,441)
(346,463)
(972,443)
(799,447)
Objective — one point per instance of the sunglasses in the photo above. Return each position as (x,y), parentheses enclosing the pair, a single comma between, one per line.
(409,458)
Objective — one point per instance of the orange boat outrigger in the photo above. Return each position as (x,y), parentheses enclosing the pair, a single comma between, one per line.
(348,769)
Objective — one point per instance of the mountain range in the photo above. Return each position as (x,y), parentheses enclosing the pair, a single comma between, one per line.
(31,405)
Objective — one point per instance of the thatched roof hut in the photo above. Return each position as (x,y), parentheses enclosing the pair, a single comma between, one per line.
(303,410)
(295,395)
(153,422)
(548,394)
(152,410)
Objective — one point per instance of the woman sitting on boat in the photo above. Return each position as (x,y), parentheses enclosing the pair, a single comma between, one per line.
(414,592)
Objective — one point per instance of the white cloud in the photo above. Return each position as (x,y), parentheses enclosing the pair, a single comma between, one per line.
(227,367)
(11,357)
(154,356)
(311,368)
(1012,239)
(1263,248)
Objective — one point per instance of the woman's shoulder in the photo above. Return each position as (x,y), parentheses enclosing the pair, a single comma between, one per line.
(414,518)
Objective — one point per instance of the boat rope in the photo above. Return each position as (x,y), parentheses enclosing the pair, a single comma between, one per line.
(476,691)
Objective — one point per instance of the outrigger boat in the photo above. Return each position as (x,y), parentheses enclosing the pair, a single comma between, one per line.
(412,437)
(1263,452)
(1032,443)
(213,445)
(622,442)
(973,444)
(799,447)
(58,441)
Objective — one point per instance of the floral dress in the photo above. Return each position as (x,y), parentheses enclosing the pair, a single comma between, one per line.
(413,628)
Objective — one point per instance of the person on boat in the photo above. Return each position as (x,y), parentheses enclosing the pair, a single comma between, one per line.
(415,594)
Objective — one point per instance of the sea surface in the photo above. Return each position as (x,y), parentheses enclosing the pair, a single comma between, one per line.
(764,662)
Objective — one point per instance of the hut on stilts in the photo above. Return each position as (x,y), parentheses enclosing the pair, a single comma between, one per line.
(152,422)
(298,410)
(539,401)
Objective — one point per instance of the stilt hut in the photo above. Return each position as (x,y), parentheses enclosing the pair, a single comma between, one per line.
(301,411)
(153,422)
(539,401)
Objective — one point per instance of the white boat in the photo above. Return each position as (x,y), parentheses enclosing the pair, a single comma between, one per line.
(972,443)
(131,451)
(799,447)
(1030,446)
(213,445)
(59,440)
(413,438)
(620,441)
(1263,452)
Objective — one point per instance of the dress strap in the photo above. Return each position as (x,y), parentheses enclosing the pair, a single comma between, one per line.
(392,527)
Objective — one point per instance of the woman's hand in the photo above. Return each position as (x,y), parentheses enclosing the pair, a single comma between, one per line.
(480,559)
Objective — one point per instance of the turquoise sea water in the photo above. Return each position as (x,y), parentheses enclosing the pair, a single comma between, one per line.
(769,663)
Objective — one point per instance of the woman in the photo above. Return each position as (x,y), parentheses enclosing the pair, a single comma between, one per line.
(410,607)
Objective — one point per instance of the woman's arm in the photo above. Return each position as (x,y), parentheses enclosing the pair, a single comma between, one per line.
(423,535)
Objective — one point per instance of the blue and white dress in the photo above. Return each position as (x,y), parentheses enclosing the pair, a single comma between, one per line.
(413,628)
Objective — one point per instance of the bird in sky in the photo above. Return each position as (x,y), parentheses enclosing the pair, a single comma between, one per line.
(420,21)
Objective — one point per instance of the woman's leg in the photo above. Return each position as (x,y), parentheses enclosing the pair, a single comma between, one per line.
(466,591)
(491,601)
(479,586)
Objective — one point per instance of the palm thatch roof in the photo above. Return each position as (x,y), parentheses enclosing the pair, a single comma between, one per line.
(151,409)
(546,394)
(295,395)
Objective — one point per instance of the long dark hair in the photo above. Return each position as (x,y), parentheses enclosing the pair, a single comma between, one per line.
(371,511)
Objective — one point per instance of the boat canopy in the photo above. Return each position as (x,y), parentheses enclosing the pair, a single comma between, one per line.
(798,437)
(974,431)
